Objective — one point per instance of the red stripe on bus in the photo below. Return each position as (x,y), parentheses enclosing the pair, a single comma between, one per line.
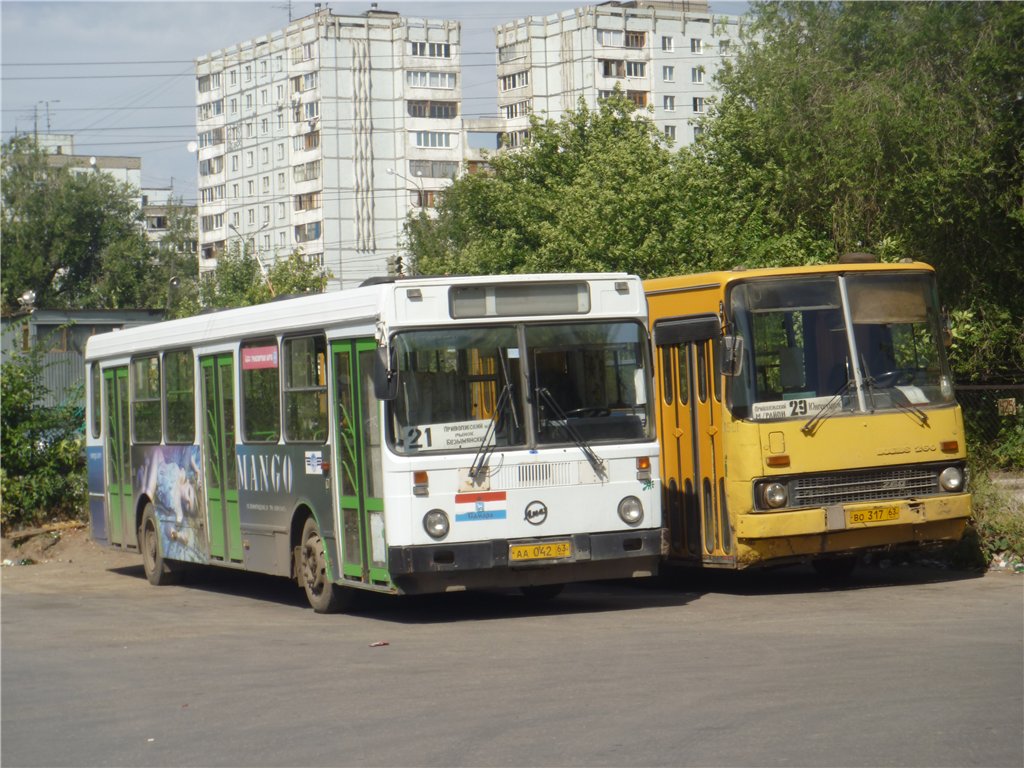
(470,498)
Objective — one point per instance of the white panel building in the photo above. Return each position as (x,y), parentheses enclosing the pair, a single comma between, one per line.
(662,55)
(322,136)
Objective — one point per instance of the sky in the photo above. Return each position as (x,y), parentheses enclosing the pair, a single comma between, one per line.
(120,77)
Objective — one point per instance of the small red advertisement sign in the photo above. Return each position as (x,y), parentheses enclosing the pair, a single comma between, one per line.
(254,358)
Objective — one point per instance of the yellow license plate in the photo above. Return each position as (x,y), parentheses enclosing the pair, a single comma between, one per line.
(872,515)
(548,550)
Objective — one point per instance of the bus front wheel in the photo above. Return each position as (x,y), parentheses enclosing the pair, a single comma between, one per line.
(158,571)
(324,595)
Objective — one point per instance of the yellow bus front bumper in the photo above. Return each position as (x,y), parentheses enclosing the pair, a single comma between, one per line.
(809,532)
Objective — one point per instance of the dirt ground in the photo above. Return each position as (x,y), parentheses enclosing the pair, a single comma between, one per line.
(59,555)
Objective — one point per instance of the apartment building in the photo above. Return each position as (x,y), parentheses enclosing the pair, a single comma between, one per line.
(322,137)
(662,55)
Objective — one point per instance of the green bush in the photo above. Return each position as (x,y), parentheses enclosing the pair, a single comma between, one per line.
(997,527)
(43,473)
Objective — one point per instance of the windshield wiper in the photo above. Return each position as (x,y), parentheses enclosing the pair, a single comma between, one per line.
(487,445)
(595,461)
(899,399)
(826,410)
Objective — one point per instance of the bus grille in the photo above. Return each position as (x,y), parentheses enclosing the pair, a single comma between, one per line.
(537,475)
(847,487)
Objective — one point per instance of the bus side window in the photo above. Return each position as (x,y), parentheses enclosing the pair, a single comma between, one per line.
(305,389)
(145,399)
(261,399)
(666,375)
(180,389)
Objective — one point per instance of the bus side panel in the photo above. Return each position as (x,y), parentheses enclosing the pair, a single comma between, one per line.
(169,476)
(97,496)
(273,482)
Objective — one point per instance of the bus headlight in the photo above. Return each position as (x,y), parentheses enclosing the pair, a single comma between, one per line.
(435,523)
(951,479)
(774,495)
(631,510)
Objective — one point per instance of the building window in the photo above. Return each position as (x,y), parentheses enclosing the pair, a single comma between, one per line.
(511,52)
(305,233)
(234,191)
(248,73)
(723,47)
(265,155)
(264,126)
(636,39)
(433,139)
(250,187)
(306,141)
(638,97)
(698,104)
(668,74)
(249,159)
(264,98)
(518,109)
(266,214)
(251,212)
(612,68)
(667,44)
(234,106)
(307,202)
(311,111)
(670,132)
(427,79)
(439,110)
(280,210)
(669,103)
(697,74)
(280,180)
(430,50)
(697,131)
(235,219)
(696,45)
(307,171)
(636,69)
(266,183)
(518,80)
(233,77)
(612,38)
(434,169)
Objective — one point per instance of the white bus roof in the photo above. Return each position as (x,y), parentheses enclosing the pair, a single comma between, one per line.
(353,307)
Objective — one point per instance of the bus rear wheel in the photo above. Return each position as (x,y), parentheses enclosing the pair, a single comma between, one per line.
(835,569)
(158,570)
(323,594)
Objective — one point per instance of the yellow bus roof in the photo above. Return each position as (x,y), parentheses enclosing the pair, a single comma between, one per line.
(723,277)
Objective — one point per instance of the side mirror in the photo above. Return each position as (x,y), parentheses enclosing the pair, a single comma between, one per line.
(732,355)
(385,375)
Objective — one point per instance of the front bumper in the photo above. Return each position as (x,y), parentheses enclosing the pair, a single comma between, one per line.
(485,564)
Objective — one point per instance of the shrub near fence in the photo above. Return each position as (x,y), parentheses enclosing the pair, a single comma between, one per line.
(994,422)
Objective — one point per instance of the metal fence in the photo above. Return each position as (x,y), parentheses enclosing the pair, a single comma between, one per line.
(994,422)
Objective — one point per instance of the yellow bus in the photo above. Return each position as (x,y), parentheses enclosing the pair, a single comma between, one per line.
(805,414)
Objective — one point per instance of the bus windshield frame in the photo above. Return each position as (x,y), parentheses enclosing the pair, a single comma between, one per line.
(520,386)
(817,345)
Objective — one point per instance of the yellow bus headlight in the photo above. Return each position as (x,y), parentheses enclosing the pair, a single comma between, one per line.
(774,495)
(951,479)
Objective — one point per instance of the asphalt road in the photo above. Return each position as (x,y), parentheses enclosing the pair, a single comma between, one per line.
(902,667)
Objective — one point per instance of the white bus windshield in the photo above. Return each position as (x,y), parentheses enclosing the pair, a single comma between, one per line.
(520,385)
(831,343)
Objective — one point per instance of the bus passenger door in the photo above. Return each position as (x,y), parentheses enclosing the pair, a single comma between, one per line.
(358,462)
(691,432)
(120,520)
(225,530)
(707,441)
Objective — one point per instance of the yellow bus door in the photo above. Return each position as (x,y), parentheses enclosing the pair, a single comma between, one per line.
(359,471)
(692,440)
(120,521)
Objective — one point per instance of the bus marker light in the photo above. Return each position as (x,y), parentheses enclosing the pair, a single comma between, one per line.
(420,483)
(643,468)
(778,461)
(949,446)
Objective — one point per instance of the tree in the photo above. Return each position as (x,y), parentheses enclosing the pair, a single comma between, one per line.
(592,191)
(71,238)
(43,471)
(895,128)
(239,280)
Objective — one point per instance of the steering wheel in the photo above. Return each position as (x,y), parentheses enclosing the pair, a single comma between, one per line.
(585,413)
(896,377)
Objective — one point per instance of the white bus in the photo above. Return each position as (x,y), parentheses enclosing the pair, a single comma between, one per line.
(409,436)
